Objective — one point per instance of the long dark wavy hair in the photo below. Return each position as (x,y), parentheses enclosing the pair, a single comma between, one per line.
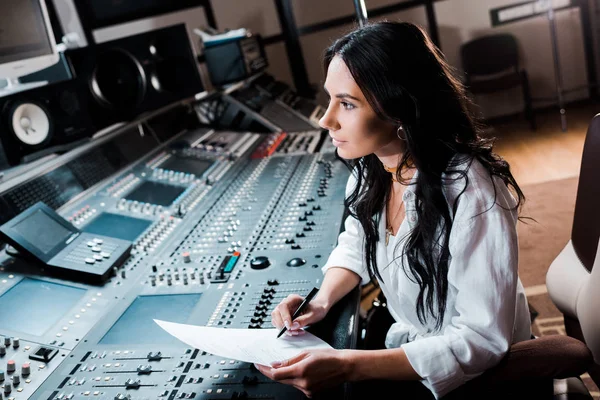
(407,82)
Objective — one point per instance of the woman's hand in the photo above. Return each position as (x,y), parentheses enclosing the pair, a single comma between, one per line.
(310,371)
(282,314)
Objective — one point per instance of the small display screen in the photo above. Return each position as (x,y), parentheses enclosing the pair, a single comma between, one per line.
(136,325)
(40,305)
(23,31)
(42,231)
(187,165)
(117,226)
(155,193)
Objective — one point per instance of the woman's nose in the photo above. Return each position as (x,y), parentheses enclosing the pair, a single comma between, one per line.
(328,121)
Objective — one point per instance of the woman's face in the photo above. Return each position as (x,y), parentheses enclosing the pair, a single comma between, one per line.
(352,123)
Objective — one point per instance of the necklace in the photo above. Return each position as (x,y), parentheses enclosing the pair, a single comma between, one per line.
(389,223)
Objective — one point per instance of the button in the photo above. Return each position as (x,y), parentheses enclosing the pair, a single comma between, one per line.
(96,249)
(91,244)
(105,254)
(98,257)
(90,261)
(98,241)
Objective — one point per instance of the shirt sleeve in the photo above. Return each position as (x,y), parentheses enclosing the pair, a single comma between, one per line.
(349,252)
(483,273)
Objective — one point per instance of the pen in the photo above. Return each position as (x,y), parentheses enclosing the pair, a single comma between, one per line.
(300,308)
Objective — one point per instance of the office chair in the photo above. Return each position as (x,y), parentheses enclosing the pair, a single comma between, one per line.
(491,64)
(573,279)
(544,368)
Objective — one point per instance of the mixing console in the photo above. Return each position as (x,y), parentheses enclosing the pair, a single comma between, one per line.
(223,226)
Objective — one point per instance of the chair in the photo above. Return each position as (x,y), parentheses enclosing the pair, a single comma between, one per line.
(491,64)
(573,279)
(545,368)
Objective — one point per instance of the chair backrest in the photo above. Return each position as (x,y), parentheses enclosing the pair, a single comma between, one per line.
(586,222)
(490,54)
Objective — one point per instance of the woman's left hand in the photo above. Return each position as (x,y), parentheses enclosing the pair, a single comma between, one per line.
(310,371)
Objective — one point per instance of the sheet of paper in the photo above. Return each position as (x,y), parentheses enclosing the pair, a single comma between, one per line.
(260,346)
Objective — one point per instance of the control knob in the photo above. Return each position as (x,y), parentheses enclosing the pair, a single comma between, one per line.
(260,262)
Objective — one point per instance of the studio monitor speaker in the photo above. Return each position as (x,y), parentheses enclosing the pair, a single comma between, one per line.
(126,77)
(43,120)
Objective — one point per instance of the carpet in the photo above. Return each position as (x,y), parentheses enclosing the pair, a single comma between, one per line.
(551,205)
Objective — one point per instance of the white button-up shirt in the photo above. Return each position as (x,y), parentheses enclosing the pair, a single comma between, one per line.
(486,307)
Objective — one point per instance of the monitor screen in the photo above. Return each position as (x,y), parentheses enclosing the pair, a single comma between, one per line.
(42,231)
(23,31)
(137,326)
(44,304)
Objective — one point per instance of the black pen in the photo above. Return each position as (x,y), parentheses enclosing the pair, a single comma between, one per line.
(300,308)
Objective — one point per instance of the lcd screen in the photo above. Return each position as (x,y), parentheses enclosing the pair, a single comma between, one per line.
(155,193)
(40,305)
(117,226)
(137,326)
(42,231)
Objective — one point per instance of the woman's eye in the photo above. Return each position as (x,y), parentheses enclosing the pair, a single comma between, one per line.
(347,106)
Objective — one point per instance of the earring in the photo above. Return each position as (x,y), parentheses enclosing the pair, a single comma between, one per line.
(403,136)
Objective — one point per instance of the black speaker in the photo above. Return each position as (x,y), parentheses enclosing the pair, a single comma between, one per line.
(126,77)
(44,120)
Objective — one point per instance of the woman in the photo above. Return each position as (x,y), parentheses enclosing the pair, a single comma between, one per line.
(431,219)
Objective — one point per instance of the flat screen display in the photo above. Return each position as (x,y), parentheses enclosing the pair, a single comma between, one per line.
(157,193)
(42,231)
(23,32)
(136,325)
(117,226)
(187,165)
(40,305)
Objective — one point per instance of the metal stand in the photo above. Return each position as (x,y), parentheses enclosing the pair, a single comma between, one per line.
(361,12)
(557,69)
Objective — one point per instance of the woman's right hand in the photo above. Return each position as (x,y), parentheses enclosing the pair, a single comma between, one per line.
(282,314)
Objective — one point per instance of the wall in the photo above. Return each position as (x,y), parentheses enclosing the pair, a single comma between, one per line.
(458,20)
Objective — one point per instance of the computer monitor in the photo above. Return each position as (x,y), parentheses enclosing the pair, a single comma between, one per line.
(27,43)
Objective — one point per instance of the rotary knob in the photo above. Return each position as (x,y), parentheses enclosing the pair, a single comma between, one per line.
(25,369)
(260,262)
(10,366)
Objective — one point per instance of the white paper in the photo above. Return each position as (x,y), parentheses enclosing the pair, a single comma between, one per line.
(260,346)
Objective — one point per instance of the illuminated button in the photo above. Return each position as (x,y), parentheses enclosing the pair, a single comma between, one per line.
(98,257)
(105,254)
(96,249)
(90,261)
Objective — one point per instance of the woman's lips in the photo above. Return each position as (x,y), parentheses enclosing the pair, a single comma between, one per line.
(336,142)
